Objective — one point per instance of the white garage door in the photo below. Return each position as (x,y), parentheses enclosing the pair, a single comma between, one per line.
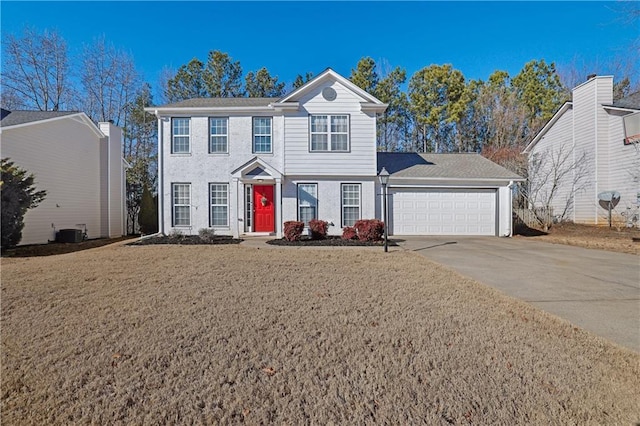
(443,212)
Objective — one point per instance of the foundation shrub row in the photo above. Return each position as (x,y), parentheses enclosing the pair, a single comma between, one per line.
(363,230)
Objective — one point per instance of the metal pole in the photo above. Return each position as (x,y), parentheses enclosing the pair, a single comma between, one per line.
(384,207)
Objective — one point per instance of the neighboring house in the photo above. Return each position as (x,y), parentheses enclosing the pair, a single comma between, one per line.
(581,152)
(247,165)
(80,166)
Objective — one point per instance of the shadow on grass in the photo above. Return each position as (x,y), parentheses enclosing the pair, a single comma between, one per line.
(36,250)
(525,231)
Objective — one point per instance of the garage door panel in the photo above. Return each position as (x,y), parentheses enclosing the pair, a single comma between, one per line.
(443,212)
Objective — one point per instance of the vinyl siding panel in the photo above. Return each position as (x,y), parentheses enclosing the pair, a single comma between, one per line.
(555,146)
(585,113)
(64,156)
(113,207)
(624,167)
(604,93)
(359,161)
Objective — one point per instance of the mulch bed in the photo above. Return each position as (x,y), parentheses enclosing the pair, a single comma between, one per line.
(188,240)
(332,241)
(59,248)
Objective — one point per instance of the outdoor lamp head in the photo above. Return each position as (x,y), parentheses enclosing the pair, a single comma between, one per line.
(383,176)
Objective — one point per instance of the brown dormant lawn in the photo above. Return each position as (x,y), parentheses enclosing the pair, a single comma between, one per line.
(226,334)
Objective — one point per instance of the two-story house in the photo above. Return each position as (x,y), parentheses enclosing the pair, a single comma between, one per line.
(247,165)
(582,153)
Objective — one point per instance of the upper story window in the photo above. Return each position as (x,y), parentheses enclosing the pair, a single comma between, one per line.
(262,135)
(180,135)
(218,135)
(329,133)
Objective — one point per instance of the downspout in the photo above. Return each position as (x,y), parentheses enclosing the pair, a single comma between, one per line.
(510,221)
(160,177)
(109,181)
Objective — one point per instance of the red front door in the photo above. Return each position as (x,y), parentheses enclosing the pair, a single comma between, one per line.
(263,209)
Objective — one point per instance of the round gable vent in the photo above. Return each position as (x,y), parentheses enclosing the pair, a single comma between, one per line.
(329,94)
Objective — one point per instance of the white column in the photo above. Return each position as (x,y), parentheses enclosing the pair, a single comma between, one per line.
(235,218)
(278,201)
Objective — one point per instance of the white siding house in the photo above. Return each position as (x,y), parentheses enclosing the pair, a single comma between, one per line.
(79,165)
(584,144)
(245,166)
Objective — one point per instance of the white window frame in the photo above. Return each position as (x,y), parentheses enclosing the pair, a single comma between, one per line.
(175,204)
(302,204)
(212,135)
(212,205)
(329,133)
(175,135)
(254,135)
(344,205)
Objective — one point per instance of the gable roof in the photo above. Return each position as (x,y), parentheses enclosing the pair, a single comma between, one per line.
(221,102)
(442,166)
(13,118)
(632,101)
(564,108)
(370,101)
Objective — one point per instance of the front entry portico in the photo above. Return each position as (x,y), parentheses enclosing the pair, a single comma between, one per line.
(259,208)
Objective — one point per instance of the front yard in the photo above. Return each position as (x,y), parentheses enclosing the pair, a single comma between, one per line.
(208,334)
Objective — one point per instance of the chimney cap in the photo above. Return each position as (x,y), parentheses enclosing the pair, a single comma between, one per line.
(590,76)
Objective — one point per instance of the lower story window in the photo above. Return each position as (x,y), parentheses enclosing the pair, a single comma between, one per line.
(350,203)
(181,195)
(307,202)
(219,202)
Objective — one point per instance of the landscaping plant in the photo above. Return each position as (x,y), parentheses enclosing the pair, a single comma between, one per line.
(18,195)
(349,233)
(293,230)
(369,229)
(318,229)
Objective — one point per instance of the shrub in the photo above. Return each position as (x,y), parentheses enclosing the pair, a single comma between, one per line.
(148,216)
(369,229)
(176,235)
(318,229)
(18,195)
(207,234)
(349,233)
(293,230)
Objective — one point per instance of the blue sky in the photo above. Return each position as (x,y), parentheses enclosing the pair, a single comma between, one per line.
(291,38)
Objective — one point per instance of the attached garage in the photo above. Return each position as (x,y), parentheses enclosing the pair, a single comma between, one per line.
(443,212)
(447,194)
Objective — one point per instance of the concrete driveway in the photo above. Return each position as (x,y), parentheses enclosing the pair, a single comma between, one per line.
(594,289)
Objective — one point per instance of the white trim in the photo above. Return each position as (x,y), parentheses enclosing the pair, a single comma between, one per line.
(564,108)
(616,108)
(326,74)
(84,118)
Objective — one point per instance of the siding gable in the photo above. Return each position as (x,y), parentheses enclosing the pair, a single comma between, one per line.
(359,161)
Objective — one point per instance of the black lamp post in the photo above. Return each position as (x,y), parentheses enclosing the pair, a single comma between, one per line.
(384,181)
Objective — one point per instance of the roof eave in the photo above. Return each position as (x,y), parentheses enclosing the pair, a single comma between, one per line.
(164,111)
(619,108)
(564,108)
(76,116)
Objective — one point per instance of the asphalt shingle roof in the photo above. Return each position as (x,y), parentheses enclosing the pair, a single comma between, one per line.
(452,166)
(221,102)
(12,118)
(631,101)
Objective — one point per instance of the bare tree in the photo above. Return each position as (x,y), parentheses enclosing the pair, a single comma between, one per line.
(555,177)
(35,71)
(110,82)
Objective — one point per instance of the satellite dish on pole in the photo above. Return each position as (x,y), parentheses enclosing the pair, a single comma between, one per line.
(609,200)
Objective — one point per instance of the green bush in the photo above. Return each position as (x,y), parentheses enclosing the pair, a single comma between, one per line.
(148,217)
(18,195)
